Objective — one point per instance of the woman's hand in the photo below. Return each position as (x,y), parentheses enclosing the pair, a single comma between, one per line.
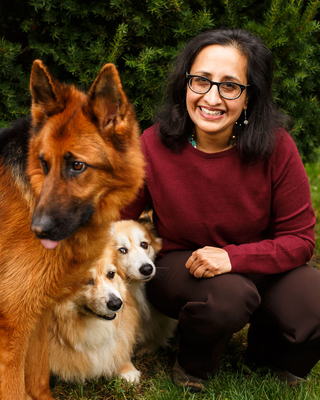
(208,262)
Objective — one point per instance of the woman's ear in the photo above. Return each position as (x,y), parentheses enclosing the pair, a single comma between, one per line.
(245,106)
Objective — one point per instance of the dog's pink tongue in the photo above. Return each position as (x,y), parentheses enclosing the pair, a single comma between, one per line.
(49,244)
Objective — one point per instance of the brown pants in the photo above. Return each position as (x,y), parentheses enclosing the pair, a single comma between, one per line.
(283,309)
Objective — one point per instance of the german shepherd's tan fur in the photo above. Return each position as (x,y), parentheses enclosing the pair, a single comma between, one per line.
(65,173)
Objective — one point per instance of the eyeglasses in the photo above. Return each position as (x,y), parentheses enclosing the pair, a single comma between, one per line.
(227,90)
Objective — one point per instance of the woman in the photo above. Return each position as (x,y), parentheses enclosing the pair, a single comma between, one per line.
(232,203)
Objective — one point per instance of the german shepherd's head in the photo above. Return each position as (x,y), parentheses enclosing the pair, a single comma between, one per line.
(84,159)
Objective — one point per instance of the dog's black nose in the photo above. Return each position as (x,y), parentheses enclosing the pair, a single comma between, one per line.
(146,269)
(42,225)
(114,303)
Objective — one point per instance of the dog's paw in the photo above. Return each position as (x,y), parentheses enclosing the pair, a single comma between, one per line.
(132,376)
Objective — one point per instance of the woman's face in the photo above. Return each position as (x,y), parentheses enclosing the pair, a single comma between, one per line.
(211,113)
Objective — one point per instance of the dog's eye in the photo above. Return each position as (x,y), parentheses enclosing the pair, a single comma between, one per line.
(123,250)
(111,274)
(78,166)
(44,166)
(144,245)
(91,282)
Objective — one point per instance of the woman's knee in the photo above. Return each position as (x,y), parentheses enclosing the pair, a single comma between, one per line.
(291,304)
(224,308)
(220,303)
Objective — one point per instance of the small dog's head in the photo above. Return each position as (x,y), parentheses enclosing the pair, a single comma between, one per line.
(104,293)
(137,245)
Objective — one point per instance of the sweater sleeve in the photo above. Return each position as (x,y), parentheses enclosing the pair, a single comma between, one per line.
(293,219)
(134,209)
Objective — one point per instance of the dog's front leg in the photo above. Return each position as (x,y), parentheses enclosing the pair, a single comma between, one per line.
(129,372)
(37,370)
(13,344)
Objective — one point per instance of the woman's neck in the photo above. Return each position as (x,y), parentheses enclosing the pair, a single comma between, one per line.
(210,144)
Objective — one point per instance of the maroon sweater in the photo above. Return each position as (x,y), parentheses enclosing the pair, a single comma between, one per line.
(260,214)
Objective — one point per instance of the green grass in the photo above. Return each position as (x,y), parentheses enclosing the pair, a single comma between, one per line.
(233,382)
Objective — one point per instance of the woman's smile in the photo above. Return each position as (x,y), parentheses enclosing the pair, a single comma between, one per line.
(210,112)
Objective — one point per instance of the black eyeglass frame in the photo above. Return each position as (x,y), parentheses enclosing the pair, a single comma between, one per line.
(242,87)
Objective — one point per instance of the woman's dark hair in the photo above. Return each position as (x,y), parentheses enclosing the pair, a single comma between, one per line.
(255,141)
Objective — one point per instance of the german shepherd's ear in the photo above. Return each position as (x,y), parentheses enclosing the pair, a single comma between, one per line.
(107,103)
(46,93)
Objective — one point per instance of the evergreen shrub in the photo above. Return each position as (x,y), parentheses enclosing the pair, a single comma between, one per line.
(75,38)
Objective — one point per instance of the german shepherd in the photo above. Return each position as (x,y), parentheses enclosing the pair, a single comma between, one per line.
(65,172)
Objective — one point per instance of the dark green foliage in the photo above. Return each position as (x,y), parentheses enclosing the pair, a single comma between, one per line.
(75,38)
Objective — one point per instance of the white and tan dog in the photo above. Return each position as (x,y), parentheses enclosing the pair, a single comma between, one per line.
(138,245)
(93,333)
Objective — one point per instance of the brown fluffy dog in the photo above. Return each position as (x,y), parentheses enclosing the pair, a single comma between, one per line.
(93,333)
(65,172)
(138,244)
